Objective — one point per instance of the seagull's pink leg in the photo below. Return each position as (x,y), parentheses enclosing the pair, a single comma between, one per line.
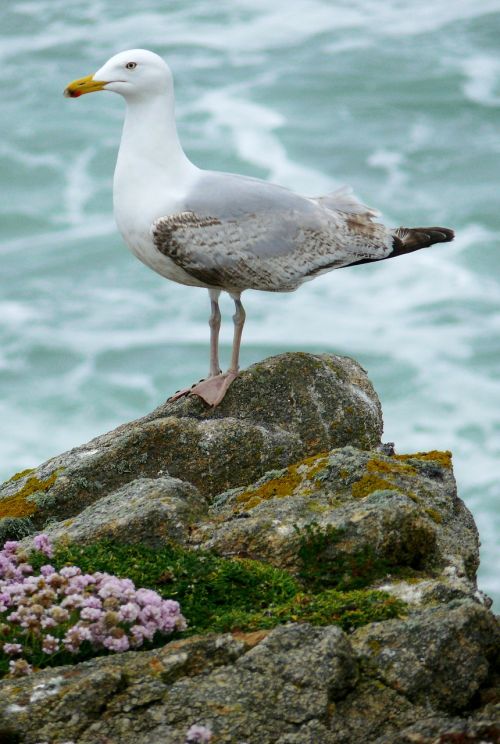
(214,389)
(239,322)
(214,323)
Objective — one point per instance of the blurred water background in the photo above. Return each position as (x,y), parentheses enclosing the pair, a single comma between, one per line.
(399,99)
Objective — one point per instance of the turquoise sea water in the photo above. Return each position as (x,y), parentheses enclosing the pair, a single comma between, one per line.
(399,99)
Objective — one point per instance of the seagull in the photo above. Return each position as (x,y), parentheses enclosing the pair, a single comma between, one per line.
(222,231)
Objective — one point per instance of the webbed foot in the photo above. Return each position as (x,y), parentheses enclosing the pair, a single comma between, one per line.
(212,389)
(185,391)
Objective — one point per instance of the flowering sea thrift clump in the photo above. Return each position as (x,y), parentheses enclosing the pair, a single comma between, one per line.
(49,617)
(198,733)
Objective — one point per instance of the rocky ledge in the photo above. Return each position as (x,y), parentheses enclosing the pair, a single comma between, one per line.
(329,582)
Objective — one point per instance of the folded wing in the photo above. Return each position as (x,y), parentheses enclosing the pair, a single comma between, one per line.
(240,233)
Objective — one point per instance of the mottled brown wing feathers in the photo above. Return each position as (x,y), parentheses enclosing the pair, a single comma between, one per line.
(360,232)
(165,239)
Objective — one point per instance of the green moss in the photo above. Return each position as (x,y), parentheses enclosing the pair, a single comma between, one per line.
(219,594)
(324,564)
(15,528)
(336,368)
(205,585)
(23,503)
(350,610)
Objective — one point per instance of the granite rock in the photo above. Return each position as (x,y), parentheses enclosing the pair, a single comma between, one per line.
(146,510)
(279,410)
(289,470)
(255,687)
(399,511)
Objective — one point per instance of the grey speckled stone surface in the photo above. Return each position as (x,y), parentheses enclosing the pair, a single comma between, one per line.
(146,510)
(253,688)
(405,510)
(419,657)
(295,443)
(278,411)
(288,685)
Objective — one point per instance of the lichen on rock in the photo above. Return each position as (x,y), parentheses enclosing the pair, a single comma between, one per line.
(330,583)
(277,412)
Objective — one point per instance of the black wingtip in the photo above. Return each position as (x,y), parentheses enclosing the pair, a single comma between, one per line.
(441,234)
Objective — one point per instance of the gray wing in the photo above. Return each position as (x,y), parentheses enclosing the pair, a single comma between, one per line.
(241,233)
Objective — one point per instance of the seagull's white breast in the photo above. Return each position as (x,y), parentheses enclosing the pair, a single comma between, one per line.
(137,205)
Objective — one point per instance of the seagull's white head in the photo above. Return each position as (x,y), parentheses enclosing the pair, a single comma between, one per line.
(134,74)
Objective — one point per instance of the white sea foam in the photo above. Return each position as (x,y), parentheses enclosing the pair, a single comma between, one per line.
(80,186)
(253,130)
(89,337)
(482,84)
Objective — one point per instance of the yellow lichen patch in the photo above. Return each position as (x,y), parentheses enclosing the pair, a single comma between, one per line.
(370,483)
(316,507)
(443,458)
(18,504)
(382,466)
(293,477)
(374,645)
(20,475)
(434,515)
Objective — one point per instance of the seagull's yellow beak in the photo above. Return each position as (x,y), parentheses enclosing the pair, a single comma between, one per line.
(83,85)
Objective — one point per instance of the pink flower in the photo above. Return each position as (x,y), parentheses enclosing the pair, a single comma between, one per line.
(92,601)
(150,613)
(20,668)
(138,635)
(129,612)
(69,571)
(112,586)
(43,544)
(4,601)
(91,613)
(198,734)
(72,601)
(11,546)
(75,636)
(171,606)
(148,597)
(116,644)
(47,622)
(96,608)
(50,644)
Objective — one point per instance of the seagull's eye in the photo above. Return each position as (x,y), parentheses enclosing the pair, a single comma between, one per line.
(131,65)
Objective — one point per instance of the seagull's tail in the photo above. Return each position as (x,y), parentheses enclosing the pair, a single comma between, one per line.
(409,239)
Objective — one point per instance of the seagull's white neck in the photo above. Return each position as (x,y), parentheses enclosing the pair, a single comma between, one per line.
(150,154)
